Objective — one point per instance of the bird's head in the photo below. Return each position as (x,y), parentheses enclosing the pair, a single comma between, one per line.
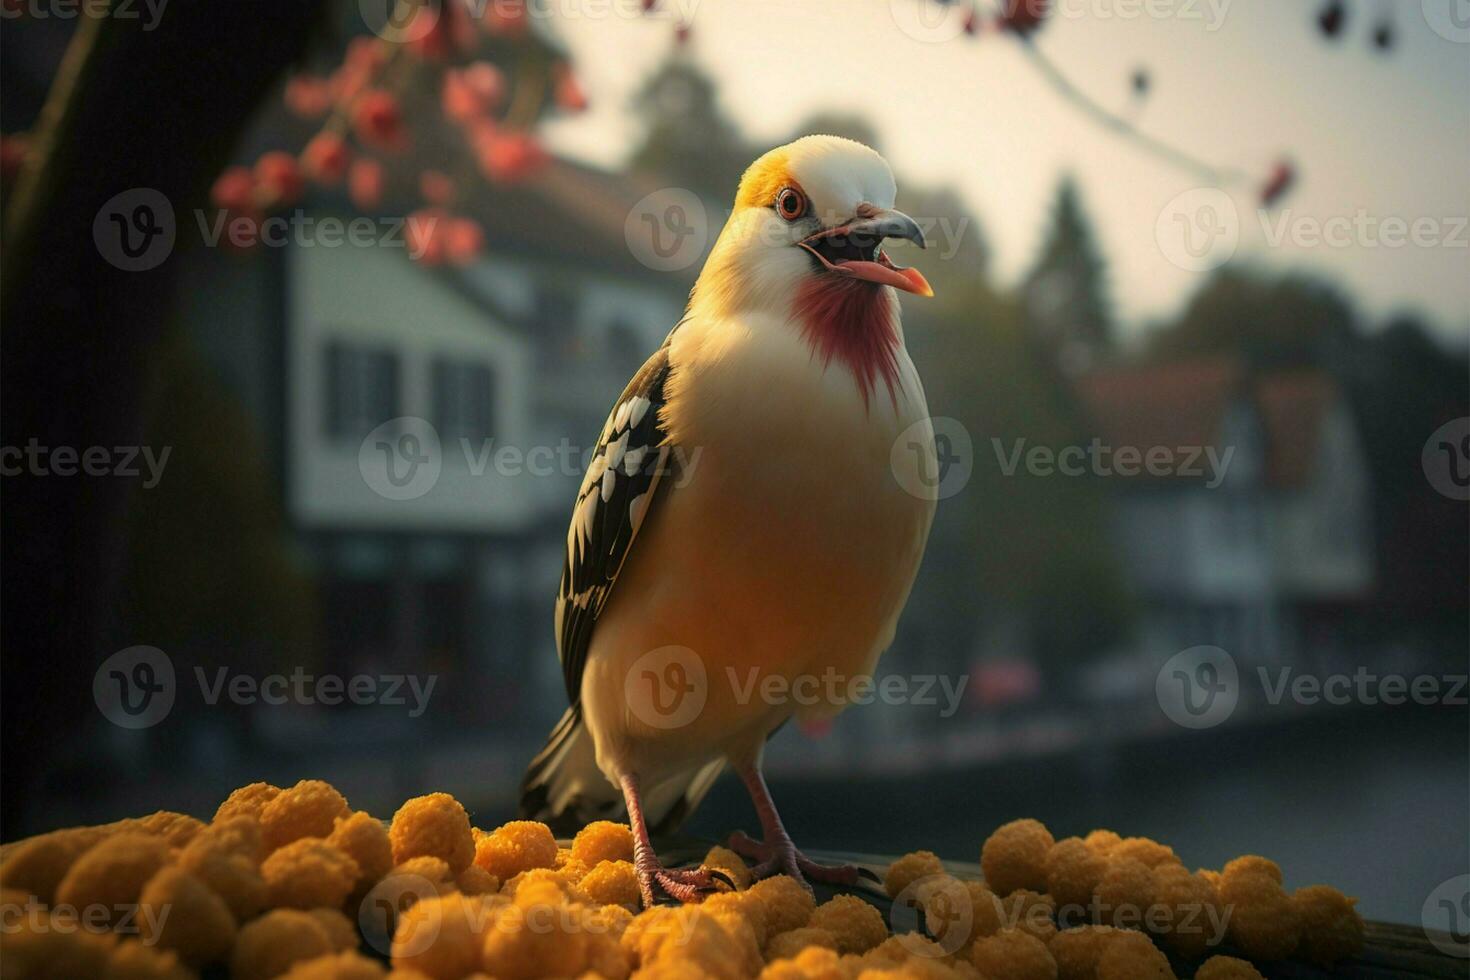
(810,218)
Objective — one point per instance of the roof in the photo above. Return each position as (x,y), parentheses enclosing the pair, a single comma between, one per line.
(1180,404)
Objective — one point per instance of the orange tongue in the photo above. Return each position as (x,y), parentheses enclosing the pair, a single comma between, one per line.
(909,280)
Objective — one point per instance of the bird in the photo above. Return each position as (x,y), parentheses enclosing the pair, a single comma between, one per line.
(744,523)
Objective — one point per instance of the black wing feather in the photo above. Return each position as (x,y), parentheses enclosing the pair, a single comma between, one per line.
(610,509)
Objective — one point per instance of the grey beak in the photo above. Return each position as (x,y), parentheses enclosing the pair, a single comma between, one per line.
(888,223)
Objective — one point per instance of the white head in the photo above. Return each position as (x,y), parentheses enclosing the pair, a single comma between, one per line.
(808,216)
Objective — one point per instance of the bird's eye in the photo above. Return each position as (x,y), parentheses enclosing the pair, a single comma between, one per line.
(790,203)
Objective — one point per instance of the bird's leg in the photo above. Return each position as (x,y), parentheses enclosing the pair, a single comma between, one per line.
(777,854)
(683,885)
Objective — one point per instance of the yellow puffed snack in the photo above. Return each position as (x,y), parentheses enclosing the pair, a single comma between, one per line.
(857,925)
(268,946)
(1149,853)
(1031,912)
(475,880)
(225,856)
(1331,927)
(1125,893)
(1073,871)
(177,829)
(603,840)
(1264,921)
(909,869)
(515,847)
(1015,857)
(1013,955)
(308,873)
(1130,956)
(442,936)
(177,911)
(435,825)
(744,905)
(1185,915)
(106,881)
(812,963)
(1102,841)
(134,961)
(363,838)
(36,866)
(35,947)
(726,860)
(1077,951)
(247,801)
(788,944)
(686,936)
(308,809)
(612,883)
(341,930)
(1227,968)
(337,966)
(1253,864)
(540,941)
(786,904)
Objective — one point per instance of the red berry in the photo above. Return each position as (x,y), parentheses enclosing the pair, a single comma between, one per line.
(424,235)
(325,158)
(234,189)
(279,178)
(569,94)
(463,240)
(377,121)
(474,91)
(365,183)
(508,157)
(308,97)
(436,187)
(682,34)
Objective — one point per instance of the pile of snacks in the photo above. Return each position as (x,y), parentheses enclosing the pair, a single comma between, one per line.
(293,883)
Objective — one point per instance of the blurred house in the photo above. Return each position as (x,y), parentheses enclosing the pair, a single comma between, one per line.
(510,363)
(1252,530)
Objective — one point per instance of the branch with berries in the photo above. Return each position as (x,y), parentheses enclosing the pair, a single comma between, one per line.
(1022,20)
(363,137)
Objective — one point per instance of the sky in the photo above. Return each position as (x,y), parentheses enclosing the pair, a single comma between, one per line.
(1381,142)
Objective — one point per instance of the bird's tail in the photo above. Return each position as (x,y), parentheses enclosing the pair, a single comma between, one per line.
(564,788)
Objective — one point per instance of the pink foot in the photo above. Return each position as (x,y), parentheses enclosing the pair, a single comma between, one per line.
(681,885)
(782,857)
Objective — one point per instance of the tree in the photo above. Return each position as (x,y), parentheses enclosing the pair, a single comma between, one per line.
(687,137)
(1270,321)
(1065,296)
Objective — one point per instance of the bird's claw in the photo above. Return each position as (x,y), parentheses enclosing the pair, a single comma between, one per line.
(682,885)
(782,857)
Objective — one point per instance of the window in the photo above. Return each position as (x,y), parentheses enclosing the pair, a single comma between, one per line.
(361,390)
(464,400)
